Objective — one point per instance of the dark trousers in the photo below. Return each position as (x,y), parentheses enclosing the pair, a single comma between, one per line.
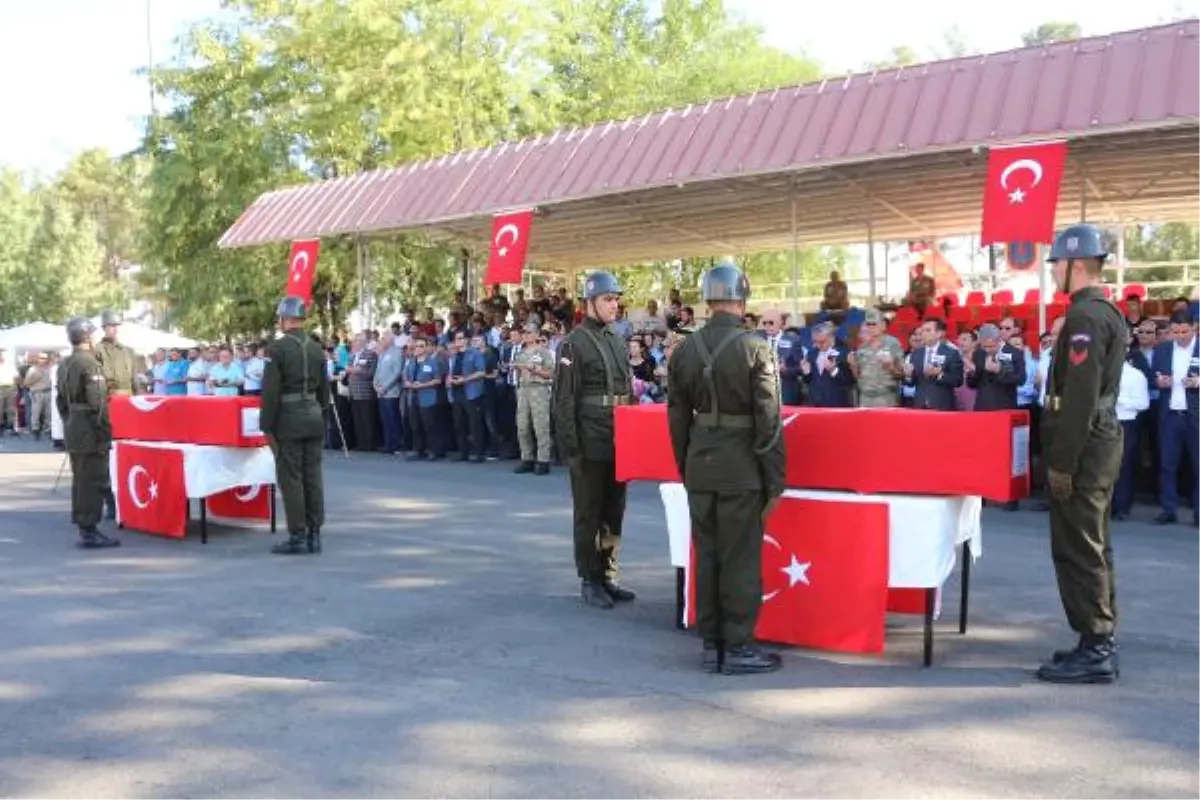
(506,420)
(1122,501)
(301,484)
(90,484)
(1150,466)
(431,429)
(366,424)
(727,532)
(405,415)
(1178,433)
(389,421)
(487,409)
(1080,542)
(599,506)
(468,427)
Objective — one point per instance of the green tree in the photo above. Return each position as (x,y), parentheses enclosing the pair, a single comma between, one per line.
(1051,32)
(1170,245)
(107,191)
(902,56)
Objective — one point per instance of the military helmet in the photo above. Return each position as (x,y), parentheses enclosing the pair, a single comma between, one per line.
(290,308)
(109,317)
(1078,241)
(599,283)
(79,330)
(725,281)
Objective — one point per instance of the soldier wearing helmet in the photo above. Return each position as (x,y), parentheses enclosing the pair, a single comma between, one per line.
(82,402)
(118,361)
(1082,445)
(723,412)
(295,396)
(592,377)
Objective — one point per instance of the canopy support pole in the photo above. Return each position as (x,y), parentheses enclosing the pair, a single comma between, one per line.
(360,275)
(870,263)
(1043,289)
(1083,192)
(795,259)
(1121,260)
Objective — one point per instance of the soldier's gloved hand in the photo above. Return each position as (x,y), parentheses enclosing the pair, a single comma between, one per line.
(1060,484)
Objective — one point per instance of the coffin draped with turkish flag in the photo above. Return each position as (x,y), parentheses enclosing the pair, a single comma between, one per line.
(220,421)
(864,450)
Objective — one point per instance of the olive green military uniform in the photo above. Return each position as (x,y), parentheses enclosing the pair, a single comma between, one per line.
(878,384)
(1082,438)
(295,396)
(119,365)
(591,378)
(82,401)
(723,410)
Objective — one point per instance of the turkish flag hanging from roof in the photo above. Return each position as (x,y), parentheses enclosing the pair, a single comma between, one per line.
(302,268)
(510,243)
(1021,195)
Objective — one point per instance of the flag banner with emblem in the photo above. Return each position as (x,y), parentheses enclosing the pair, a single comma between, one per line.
(241,502)
(302,269)
(1020,198)
(510,243)
(151,489)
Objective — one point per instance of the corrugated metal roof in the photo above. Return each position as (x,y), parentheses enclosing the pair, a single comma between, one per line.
(1135,80)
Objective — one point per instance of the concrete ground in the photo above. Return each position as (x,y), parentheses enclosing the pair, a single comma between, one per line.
(438,648)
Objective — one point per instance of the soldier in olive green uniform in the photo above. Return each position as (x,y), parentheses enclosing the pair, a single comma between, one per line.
(295,397)
(82,402)
(592,378)
(119,365)
(1082,446)
(877,364)
(723,411)
(534,365)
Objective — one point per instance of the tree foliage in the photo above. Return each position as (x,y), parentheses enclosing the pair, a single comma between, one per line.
(1051,32)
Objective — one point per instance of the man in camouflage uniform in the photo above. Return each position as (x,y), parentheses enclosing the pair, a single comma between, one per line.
(534,366)
(877,364)
(82,401)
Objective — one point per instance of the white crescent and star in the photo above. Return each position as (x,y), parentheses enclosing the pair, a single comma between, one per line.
(796,570)
(299,266)
(132,486)
(144,403)
(502,249)
(250,494)
(1030,165)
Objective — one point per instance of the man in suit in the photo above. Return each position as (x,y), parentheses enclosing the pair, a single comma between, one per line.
(827,371)
(936,369)
(1176,367)
(995,371)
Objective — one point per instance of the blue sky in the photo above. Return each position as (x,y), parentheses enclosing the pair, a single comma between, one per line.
(70,82)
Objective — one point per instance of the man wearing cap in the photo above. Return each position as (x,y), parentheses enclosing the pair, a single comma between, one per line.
(592,377)
(1082,447)
(119,363)
(878,363)
(534,367)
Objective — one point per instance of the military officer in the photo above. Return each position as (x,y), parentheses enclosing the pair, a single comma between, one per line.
(534,366)
(120,363)
(1082,444)
(82,402)
(877,364)
(592,377)
(723,411)
(295,397)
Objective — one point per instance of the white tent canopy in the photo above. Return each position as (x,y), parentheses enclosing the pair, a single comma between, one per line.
(146,340)
(43,336)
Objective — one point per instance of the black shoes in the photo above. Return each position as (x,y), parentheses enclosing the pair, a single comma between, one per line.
(541,468)
(714,656)
(594,594)
(524,467)
(1094,662)
(92,539)
(749,660)
(314,539)
(296,544)
(1166,518)
(618,593)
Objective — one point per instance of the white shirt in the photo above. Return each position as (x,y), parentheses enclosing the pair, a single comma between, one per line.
(197,369)
(1043,371)
(1181,362)
(1134,393)
(254,374)
(8,373)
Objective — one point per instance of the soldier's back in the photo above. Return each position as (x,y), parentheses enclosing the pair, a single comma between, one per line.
(300,365)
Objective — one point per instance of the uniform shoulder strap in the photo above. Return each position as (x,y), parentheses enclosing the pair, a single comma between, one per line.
(710,360)
(605,358)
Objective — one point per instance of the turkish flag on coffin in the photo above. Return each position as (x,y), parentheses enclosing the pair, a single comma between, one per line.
(510,243)
(241,502)
(151,491)
(825,573)
(1021,195)
(302,268)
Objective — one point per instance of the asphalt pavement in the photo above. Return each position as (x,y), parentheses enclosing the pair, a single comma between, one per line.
(438,648)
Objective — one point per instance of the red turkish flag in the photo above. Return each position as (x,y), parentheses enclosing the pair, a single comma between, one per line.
(302,268)
(1021,195)
(241,502)
(510,243)
(151,490)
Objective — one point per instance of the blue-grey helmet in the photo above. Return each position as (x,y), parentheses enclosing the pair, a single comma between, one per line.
(1078,241)
(109,317)
(290,308)
(79,330)
(725,281)
(600,283)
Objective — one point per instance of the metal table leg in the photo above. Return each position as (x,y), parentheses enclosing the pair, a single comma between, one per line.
(963,601)
(930,602)
(203,520)
(273,516)
(680,597)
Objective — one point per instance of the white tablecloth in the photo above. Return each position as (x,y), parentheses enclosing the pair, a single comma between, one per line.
(207,469)
(925,531)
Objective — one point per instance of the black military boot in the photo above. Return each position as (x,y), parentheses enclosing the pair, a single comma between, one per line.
(542,468)
(524,467)
(1090,662)
(296,544)
(714,656)
(110,505)
(92,539)
(619,593)
(749,660)
(314,539)
(593,594)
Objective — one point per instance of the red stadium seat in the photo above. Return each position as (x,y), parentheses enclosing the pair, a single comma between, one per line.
(1033,297)
(1061,297)
(1002,297)
(977,299)
(1137,290)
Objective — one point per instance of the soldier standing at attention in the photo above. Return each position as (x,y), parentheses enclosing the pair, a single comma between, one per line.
(120,368)
(1082,446)
(295,397)
(591,379)
(534,366)
(82,402)
(877,364)
(723,411)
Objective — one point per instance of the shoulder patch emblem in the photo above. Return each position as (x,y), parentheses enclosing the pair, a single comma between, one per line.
(566,362)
